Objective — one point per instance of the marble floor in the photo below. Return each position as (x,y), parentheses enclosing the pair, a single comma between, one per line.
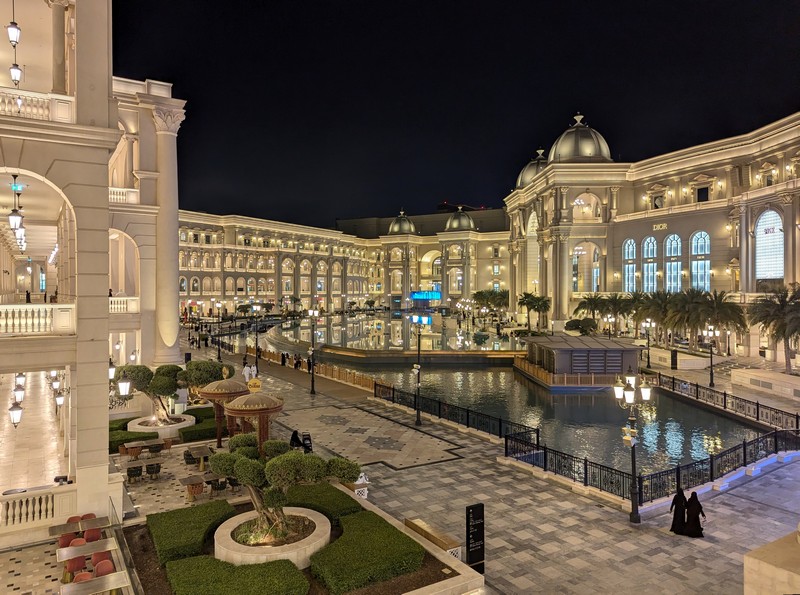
(32,453)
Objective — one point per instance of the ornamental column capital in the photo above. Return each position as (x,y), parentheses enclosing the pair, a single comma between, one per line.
(168,120)
(52,3)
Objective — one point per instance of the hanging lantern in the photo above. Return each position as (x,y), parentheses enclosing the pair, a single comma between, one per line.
(20,232)
(56,383)
(124,385)
(14,219)
(14,33)
(16,74)
(59,399)
(53,373)
(619,387)
(19,393)
(15,412)
(20,378)
(112,369)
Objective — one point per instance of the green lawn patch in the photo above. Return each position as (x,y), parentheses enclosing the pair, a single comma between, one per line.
(116,438)
(370,550)
(181,533)
(203,430)
(204,575)
(325,499)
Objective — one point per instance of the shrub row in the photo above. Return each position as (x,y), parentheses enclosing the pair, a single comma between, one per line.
(325,499)
(204,575)
(203,430)
(119,424)
(370,550)
(116,438)
(200,413)
(181,533)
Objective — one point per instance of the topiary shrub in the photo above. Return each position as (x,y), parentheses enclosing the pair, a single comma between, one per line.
(200,413)
(119,424)
(120,437)
(370,550)
(250,452)
(274,448)
(181,533)
(204,575)
(240,440)
(222,463)
(345,469)
(325,499)
(205,430)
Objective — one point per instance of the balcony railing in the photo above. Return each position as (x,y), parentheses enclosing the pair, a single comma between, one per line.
(37,106)
(123,305)
(37,319)
(37,507)
(123,195)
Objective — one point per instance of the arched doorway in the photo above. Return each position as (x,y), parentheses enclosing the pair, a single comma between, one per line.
(586,267)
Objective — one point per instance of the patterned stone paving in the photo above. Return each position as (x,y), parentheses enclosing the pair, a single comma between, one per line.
(541,537)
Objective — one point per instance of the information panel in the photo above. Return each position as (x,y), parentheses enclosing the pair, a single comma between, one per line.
(476,547)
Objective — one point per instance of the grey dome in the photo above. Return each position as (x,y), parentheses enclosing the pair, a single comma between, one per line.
(580,144)
(459,221)
(401,225)
(534,166)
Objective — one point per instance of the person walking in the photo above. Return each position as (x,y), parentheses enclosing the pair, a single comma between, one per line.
(694,510)
(679,517)
(246,373)
(253,371)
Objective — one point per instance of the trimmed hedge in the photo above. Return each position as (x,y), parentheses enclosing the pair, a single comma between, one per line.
(325,499)
(203,430)
(181,533)
(119,424)
(200,413)
(370,550)
(117,438)
(204,575)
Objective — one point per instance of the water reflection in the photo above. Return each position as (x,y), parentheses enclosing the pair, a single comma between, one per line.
(389,333)
(584,424)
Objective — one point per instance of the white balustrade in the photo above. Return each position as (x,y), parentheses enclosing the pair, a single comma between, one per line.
(37,319)
(123,305)
(37,106)
(37,508)
(123,195)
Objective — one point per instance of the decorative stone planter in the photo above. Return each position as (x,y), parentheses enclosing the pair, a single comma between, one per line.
(137,425)
(299,553)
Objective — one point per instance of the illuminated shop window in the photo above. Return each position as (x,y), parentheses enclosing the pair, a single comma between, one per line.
(769,246)
(701,264)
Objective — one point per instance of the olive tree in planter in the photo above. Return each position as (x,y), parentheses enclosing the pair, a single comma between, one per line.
(156,386)
(268,480)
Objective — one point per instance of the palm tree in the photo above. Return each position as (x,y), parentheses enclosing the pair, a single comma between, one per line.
(541,306)
(687,311)
(778,313)
(636,301)
(657,307)
(528,301)
(592,304)
(617,306)
(723,313)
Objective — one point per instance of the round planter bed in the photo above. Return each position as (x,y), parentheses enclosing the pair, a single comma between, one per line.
(171,431)
(299,553)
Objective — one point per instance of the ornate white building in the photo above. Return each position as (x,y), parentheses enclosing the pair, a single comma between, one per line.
(724,215)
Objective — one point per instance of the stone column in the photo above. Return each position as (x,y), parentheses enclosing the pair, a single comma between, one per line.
(445,279)
(129,179)
(167,121)
(564,280)
(614,199)
(58,11)
(789,239)
(746,250)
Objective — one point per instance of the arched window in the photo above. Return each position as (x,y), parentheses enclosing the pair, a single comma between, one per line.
(629,266)
(436,267)
(769,247)
(182,284)
(649,264)
(701,261)
(195,285)
(672,263)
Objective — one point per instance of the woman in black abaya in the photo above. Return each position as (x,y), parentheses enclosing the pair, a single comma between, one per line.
(679,517)
(694,510)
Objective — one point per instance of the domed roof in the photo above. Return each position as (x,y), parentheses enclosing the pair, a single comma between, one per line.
(402,225)
(227,388)
(254,404)
(534,166)
(459,221)
(580,144)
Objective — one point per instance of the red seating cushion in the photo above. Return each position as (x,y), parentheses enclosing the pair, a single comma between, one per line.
(98,557)
(88,515)
(91,535)
(74,519)
(82,576)
(66,539)
(103,568)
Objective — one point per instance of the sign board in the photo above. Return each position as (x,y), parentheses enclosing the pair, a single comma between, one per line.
(426,295)
(254,385)
(476,546)
(659,226)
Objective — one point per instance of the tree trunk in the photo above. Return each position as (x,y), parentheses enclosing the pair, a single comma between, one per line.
(161,410)
(529,318)
(786,354)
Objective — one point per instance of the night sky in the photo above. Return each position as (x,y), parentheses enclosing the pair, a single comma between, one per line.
(307,111)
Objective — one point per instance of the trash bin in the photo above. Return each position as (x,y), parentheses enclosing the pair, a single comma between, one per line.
(673,363)
(187,357)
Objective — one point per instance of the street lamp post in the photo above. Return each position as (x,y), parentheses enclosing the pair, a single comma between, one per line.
(625,395)
(313,314)
(729,343)
(609,322)
(710,333)
(648,324)
(257,310)
(219,330)
(418,322)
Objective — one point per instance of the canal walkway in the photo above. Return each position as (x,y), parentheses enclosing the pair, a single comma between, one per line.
(541,537)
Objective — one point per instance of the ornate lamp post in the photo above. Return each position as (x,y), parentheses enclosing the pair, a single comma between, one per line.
(625,395)
(218,305)
(710,333)
(257,310)
(313,314)
(648,324)
(418,322)
(609,320)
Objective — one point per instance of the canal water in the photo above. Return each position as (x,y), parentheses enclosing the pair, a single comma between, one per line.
(584,424)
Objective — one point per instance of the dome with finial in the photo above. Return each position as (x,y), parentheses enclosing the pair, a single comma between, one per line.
(533,167)
(459,221)
(402,225)
(580,144)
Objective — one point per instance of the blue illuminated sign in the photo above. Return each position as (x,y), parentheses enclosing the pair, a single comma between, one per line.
(426,295)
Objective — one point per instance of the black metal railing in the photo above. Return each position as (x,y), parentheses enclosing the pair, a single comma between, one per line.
(522,443)
(765,414)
